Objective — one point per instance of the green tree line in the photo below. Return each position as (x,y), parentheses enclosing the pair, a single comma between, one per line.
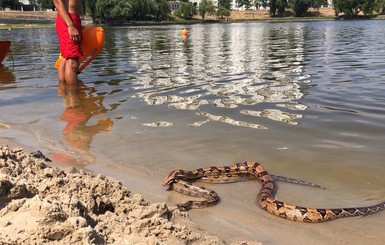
(116,10)
(351,8)
(12,4)
(299,7)
(125,10)
(187,9)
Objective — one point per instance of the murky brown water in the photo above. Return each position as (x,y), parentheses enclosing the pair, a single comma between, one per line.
(305,99)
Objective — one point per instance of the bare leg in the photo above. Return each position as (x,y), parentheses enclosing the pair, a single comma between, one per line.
(60,70)
(71,70)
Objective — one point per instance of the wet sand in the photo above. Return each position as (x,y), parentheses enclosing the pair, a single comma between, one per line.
(41,203)
(44,204)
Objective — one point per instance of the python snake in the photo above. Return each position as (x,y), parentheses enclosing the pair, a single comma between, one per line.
(179,180)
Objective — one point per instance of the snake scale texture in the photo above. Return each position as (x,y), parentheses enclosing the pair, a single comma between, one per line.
(180,181)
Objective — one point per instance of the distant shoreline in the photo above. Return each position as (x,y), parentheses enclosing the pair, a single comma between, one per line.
(31,19)
(22,19)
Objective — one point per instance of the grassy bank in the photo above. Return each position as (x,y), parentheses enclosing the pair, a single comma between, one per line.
(15,26)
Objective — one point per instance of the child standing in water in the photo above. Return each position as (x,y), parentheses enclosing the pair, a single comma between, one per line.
(69,31)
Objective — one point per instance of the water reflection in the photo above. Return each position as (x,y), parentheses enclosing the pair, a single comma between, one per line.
(248,69)
(81,104)
(6,76)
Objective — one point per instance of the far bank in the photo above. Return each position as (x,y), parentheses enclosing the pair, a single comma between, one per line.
(28,19)
(48,17)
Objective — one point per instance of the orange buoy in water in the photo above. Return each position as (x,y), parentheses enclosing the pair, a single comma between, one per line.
(184,32)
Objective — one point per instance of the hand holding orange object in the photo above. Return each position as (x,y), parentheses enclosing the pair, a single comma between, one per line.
(93,42)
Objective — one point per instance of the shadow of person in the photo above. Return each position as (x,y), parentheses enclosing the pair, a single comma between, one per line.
(80,105)
(6,75)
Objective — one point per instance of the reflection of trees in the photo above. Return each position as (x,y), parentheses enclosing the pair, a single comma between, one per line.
(80,107)
(255,71)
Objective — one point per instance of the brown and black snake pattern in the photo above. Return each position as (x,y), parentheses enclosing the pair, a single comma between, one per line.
(179,180)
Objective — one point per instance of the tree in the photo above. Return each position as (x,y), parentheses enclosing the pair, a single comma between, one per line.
(300,7)
(13,4)
(281,7)
(162,9)
(222,11)
(206,6)
(244,3)
(277,8)
(142,9)
(273,8)
(89,8)
(121,10)
(46,4)
(380,6)
(367,7)
(318,3)
(186,10)
(225,4)
(103,8)
(351,8)
(247,4)
(261,3)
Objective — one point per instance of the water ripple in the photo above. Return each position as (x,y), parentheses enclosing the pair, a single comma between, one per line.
(228,72)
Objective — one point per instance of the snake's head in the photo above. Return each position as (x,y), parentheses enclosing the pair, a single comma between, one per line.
(172,177)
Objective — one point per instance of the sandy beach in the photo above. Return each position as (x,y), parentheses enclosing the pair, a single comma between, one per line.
(170,103)
(41,204)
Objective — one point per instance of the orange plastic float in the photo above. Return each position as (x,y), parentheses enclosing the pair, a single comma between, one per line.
(4,49)
(184,32)
(92,44)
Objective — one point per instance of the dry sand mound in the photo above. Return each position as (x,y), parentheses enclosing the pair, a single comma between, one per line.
(41,204)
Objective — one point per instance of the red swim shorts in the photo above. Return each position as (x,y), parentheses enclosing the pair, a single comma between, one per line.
(68,47)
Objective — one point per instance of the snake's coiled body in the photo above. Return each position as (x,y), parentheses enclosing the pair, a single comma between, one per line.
(179,180)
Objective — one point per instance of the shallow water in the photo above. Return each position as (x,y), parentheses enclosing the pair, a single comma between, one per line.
(304,99)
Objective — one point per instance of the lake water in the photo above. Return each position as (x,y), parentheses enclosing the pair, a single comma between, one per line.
(307,100)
